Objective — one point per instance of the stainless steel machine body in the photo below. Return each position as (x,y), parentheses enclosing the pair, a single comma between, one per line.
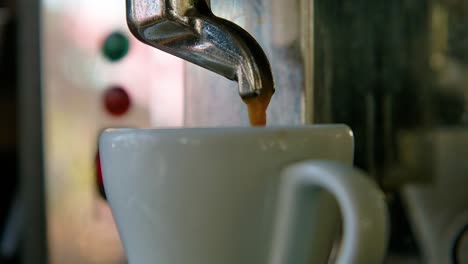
(283,30)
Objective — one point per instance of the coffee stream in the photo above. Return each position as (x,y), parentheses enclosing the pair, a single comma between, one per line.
(257,107)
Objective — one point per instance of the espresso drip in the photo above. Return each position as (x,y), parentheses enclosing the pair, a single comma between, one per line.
(257,107)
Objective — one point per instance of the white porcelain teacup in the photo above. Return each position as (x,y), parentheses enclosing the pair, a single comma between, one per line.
(241,196)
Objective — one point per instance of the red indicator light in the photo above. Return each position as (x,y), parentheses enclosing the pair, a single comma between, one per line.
(117,101)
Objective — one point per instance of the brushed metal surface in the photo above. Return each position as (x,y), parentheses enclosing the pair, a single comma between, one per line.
(276,25)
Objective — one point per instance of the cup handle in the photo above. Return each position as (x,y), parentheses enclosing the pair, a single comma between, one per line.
(362,206)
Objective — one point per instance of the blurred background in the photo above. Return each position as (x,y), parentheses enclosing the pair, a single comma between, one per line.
(92,74)
(9,187)
(395,71)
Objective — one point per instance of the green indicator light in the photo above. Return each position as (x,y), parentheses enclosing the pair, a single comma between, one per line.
(115,46)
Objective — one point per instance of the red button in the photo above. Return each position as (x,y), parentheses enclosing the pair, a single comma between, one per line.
(116,101)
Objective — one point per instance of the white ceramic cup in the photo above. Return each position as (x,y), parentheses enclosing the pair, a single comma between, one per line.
(241,196)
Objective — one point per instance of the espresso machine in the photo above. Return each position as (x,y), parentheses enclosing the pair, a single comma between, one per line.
(394,71)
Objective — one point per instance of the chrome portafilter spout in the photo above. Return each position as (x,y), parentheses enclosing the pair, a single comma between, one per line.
(189,30)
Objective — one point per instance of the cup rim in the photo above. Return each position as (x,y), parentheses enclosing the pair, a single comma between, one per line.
(225,129)
(215,134)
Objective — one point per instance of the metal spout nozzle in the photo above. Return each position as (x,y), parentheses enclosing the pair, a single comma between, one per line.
(189,30)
